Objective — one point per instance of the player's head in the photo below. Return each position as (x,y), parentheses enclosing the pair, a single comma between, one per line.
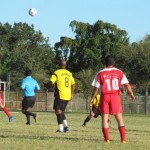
(109,60)
(28,73)
(62,63)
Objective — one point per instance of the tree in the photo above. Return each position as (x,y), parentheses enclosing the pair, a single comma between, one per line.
(84,79)
(90,45)
(24,48)
(136,59)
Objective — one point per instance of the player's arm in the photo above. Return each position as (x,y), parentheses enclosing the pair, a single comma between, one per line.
(129,89)
(96,86)
(72,87)
(37,87)
(72,90)
(22,86)
(94,93)
(125,82)
(50,84)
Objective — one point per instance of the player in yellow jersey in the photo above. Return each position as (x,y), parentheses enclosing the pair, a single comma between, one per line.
(64,84)
(93,110)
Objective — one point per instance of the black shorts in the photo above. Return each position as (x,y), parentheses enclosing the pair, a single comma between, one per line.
(28,102)
(60,104)
(95,111)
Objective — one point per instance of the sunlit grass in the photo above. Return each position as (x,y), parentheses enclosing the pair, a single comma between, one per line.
(42,135)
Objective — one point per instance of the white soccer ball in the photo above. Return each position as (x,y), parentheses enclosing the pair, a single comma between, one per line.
(32,12)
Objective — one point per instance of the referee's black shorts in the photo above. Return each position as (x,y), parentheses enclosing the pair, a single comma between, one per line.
(28,102)
(60,104)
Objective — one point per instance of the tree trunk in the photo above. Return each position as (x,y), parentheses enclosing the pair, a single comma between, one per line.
(146,96)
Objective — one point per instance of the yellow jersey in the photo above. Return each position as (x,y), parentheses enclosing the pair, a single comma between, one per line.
(63,80)
(96,100)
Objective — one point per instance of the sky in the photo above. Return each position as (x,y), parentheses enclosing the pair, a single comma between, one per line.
(54,16)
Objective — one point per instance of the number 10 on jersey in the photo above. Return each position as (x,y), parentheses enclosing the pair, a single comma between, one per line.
(112,84)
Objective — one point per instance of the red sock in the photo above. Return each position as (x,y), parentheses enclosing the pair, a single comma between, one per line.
(122,131)
(6,111)
(105,133)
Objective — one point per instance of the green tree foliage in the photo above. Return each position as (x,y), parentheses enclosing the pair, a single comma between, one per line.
(90,45)
(86,51)
(135,59)
(84,79)
(21,48)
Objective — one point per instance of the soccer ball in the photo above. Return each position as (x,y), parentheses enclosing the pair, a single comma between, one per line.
(32,12)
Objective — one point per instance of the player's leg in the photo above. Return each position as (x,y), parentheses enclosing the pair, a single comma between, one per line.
(95,115)
(27,114)
(28,103)
(105,127)
(121,127)
(88,118)
(117,111)
(64,120)
(59,116)
(24,111)
(4,108)
(58,104)
(65,123)
(34,115)
(104,109)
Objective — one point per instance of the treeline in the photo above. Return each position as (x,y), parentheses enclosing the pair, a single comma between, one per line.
(21,48)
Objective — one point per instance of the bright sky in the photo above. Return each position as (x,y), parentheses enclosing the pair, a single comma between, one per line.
(54,16)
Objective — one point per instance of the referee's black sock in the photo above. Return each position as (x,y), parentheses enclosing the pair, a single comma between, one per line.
(86,120)
(28,113)
(28,119)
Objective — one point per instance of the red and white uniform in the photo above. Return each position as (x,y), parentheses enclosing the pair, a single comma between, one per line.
(110,81)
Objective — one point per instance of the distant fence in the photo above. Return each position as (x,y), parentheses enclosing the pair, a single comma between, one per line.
(44,102)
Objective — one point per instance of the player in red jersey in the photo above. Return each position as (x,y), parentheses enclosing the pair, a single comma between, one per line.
(109,80)
(5,109)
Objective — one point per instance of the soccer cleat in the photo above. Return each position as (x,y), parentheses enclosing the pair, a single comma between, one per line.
(66,129)
(124,142)
(58,131)
(107,141)
(35,118)
(10,119)
(28,123)
(83,125)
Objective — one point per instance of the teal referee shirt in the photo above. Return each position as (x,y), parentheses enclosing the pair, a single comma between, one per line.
(29,86)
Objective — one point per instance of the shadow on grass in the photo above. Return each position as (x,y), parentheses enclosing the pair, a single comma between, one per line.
(46,137)
(138,131)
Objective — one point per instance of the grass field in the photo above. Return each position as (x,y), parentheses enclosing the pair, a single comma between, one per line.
(42,135)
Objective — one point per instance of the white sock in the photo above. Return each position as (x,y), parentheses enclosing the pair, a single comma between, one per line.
(65,123)
(61,127)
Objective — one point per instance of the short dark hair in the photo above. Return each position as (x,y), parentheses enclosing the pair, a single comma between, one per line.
(110,60)
(28,73)
(62,63)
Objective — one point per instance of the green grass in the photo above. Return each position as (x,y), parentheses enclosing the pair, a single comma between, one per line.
(42,136)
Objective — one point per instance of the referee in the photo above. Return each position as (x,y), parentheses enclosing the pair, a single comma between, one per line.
(29,86)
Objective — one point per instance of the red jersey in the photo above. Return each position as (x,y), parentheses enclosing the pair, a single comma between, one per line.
(110,80)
